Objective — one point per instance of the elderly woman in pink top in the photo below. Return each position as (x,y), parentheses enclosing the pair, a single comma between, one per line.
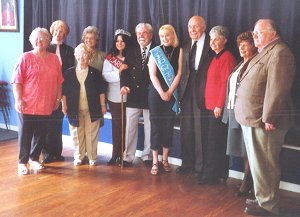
(36,80)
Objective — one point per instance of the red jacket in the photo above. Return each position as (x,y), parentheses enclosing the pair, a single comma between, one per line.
(219,69)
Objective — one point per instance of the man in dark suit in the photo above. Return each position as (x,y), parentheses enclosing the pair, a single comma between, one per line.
(196,58)
(265,111)
(52,148)
(134,82)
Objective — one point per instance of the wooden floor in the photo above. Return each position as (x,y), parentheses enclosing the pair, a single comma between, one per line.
(64,190)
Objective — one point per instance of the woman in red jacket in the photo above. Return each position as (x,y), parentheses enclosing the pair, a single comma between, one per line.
(215,165)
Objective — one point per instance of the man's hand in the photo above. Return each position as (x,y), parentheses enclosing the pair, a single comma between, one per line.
(269,127)
(124,90)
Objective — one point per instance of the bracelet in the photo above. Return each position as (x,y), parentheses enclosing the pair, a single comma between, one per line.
(103,105)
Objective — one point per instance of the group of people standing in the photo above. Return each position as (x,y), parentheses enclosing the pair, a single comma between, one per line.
(225,108)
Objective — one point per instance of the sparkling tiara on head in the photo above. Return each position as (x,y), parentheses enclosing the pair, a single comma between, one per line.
(123,32)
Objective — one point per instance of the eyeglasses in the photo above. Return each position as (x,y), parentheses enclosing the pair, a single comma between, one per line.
(259,33)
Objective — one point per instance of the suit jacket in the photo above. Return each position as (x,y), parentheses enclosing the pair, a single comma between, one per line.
(136,78)
(66,54)
(200,80)
(264,94)
(94,86)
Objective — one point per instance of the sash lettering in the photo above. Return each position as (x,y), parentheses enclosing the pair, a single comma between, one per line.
(167,72)
(115,61)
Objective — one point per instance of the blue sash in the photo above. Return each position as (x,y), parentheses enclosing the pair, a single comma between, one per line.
(167,72)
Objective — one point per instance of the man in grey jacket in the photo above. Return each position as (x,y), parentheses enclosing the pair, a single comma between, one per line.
(265,111)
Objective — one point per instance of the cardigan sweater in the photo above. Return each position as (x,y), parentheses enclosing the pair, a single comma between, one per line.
(94,86)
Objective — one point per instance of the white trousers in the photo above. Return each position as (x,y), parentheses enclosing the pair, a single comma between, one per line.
(85,137)
(131,134)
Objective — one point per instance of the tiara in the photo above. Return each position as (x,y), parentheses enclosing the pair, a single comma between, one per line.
(123,32)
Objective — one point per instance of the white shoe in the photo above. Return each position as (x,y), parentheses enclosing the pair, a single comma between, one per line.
(92,163)
(22,169)
(36,165)
(77,162)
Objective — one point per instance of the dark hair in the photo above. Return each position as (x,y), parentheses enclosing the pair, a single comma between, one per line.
(114,51)
(245,36)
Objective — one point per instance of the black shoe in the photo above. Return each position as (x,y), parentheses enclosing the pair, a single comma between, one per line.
(257,211)
(242,194)
(60,158)
(47,160)
(127,164)
(148,163)
(114,161)
(206,181)
(183,170)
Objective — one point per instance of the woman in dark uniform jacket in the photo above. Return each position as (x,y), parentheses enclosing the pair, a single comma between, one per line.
(235,141)
(161,99)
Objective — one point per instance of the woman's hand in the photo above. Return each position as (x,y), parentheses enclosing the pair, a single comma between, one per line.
(166,96)
(64,108)
(122,68)
(217,112)
(20,106)
(103,109)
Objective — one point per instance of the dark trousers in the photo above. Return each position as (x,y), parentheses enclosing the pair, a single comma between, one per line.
(116,119)
(53,140)
(191,123)
(161,120)
(31,126)
(216,162)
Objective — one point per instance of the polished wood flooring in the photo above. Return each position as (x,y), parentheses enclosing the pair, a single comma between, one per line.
(62,189)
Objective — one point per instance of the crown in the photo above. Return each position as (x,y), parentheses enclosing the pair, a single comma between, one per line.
(123,32)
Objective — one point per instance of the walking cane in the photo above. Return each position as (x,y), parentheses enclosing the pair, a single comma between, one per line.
(122,113)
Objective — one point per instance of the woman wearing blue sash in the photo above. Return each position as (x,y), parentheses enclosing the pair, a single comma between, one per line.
(165,65)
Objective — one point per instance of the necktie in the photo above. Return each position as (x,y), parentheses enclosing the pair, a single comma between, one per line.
(144,57)
(58,52)
(192,56)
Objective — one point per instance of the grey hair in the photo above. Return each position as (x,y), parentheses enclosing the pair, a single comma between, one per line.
(91,29)
(82,48)
(33,34)
(220,31)
(147,25)
(272,26)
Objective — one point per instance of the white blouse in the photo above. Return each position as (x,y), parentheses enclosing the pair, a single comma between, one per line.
(232,87)
(111,75)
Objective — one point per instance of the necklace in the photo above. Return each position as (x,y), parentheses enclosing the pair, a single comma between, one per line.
(168,54)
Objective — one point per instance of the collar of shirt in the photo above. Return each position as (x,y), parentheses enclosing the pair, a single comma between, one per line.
(220,53)
(57,42)
(271,42)
(200,45)
(148,48)
(200,41)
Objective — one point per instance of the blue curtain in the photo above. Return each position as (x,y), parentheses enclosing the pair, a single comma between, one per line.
(109,15)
